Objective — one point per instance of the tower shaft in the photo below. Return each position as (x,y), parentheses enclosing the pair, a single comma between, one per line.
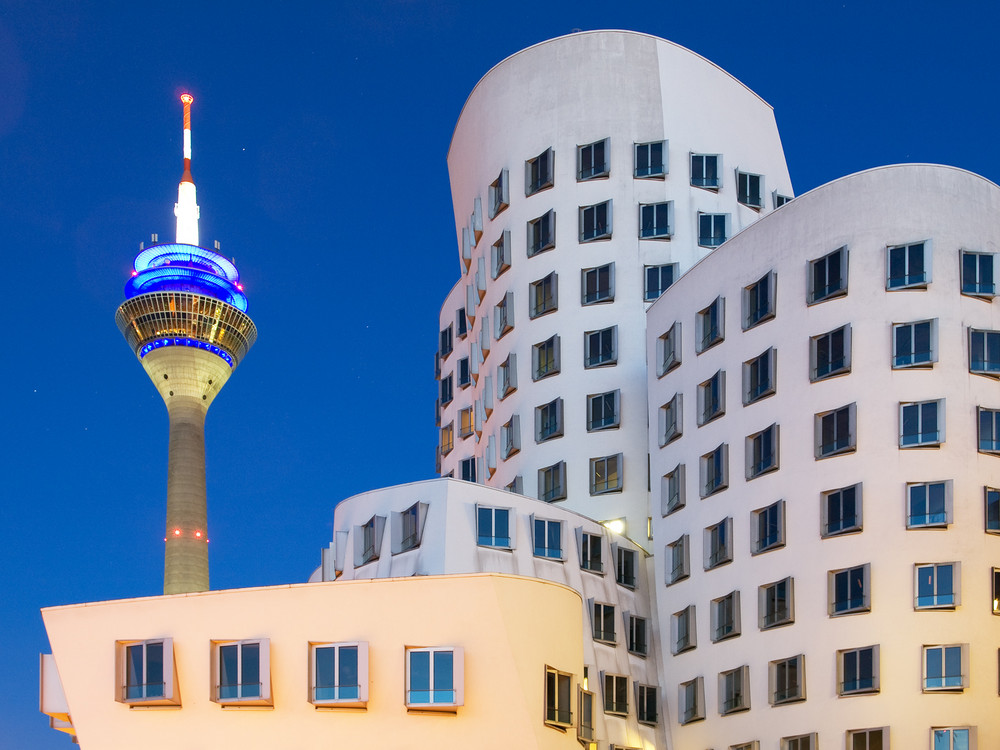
(185,558)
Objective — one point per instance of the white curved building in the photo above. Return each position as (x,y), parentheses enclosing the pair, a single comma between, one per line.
(824,454)
(587,173)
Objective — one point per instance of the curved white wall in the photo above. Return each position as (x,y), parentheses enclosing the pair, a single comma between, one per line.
(950,211)
(567,92)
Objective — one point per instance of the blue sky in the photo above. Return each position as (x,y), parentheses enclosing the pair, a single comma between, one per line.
(320,137)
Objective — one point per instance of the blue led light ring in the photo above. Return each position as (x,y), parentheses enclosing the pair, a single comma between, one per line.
(177,341)
(156,255)
(172,278)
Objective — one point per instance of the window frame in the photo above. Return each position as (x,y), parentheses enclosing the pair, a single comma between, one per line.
(931,518)
(646,704)
(604,422)
(755,313)
(613,474)
(820,270)
(615,688)
(701,175)
(263,697)
(590,153)
(711,325)
(726,617)
(868,733)
(691,700)
(656,220)
(595,221)
(840,445)
(543,547)
(909,358)
(824,346)
(714,469)
(608,355)
(591,551)
(457,688)
(776,604)
(136,689)
(447,439)
(544,295)
(675,478)
(978,288)
(500,252)
(603,621)
(651,293)
(539,173)
(651,170)
(938,597)
(799,742)
(712,398)
(991,510)
(771,515)
(408,527)
(734,690)
(668,349)
(756,388)
(507,376)
(760,461)
(931,410)
(987,366)
(541,233)
(950,683)
(908,252)
(368,540)
(558,697)
(549,420)
(970,742)
(553,477)
(782,691)
(866,669)
(717,544)
(626,564)
(713,229)
(585,713)
(637,634)
(854,604)
(602,292)
(550,348)
(988,430)
(493,540)
(683,638)
(678,559)
(671,419)
(827,496)
(499,193)
(359,698)
(745,193)
(510,437)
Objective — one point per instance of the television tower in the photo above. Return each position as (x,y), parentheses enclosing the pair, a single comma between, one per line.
(184,316)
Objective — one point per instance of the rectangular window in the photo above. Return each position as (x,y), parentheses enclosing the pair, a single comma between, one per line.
(542,233)
(516,486)
(712,398)
(787,680)
(718,544)
(692,700)
(558,705)
(544,295)
(598,284)
(849,590)
(464,375)
(711,325)
(913,344)
(668,355)
(921,423)
(585,729)
(595,222)
(655,220)
(678,560)
(712,229)
(446,390)
(592,160)
(977,274)
(600,348)
(857,671)
(146,672)
(672,490)
(645,704)
(446,342)
(984,352)
(500,254)
(749,189)
(799,742)
(547,538)
(830,353)
(989,430)
(715,470)
(616,694)
(759,300)
(775,604)
(658,279)
(762,452)
(552,482)
(368,540)
(869,739)
(908,267)
(339,674)
(650,159)
(591,557)
(604,622)
(936,586)
(493,527)
(243,672)
(447,438)
(760,377)
(671,420)
(504,316)
(637,627)
(705,171)
(603,410)
(769,527)
(755,745)
(461,323)
(946,667)
(992,510)
(683,630)
(465,422)
(407,526)
(726,616)
(545,358)
(996,590)
(928,504)
(836,432)
(510,437)
(606,474)
(538,172)
(828,276)
(467,469)
(841,510)
(625,572)
(507,376)
(734,690)
(499,193)
(549,420)
(954,738)
(434,678)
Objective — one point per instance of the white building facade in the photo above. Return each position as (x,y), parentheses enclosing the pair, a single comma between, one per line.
(825,431)
(587,173)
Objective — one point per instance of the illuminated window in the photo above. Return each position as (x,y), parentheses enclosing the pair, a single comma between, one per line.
(545,358)
(544,295)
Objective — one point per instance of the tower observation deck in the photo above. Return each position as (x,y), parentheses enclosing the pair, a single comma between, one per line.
(185,318)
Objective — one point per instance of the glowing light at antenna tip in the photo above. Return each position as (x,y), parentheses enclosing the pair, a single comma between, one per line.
(187,98)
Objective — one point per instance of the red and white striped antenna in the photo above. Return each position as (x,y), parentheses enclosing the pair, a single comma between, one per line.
(186,209)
